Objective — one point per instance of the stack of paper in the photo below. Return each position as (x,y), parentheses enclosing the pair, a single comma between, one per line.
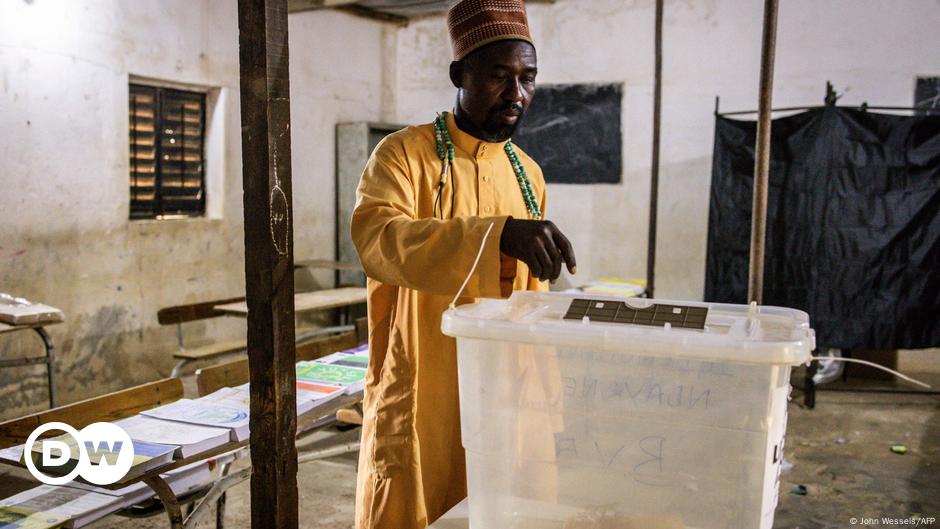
(206,413)
(345,359)
(14,517)
(13,454)
(334,369)
(147,456)
(309,394)
(612,286)
(190,439)
(47,506)
(317,382)
(20,311)
(316,393)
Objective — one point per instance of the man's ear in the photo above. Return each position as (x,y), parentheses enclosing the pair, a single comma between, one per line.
(456,73)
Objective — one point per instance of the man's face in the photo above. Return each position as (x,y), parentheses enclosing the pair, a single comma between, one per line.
(496,84)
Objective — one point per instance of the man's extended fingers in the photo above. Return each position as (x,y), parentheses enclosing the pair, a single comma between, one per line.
(556,258)
(545,260)
(566,250)
(534,266)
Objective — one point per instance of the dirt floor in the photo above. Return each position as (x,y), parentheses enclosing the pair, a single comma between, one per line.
(840,452)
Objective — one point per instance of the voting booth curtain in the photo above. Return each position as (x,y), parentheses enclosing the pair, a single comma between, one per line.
(853,225)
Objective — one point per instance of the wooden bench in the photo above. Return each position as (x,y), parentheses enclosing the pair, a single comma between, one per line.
(110,407)
(131,401)
(304,302)
(181,314)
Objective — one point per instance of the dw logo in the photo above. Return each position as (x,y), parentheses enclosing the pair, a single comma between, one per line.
(105,453)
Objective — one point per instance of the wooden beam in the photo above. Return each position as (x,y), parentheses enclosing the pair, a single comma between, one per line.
(755,291)
(299,6)
(347,6)
(401,13)
(374,14)
(269,278)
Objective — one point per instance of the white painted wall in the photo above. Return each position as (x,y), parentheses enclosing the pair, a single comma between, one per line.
(337,72)
(870,49)
(65,237)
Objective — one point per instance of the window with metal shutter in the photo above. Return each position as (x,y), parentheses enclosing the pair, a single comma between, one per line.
(167,166)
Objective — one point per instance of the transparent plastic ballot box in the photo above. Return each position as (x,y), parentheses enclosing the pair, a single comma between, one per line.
(593,412)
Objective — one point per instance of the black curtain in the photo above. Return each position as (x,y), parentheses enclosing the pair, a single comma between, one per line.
(853,226)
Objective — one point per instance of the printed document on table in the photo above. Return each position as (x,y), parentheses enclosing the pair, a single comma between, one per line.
(16,518)
(79,506)
(146,455)
(206,413)
(345,360)
(190,438)
(309,394)
(353,379)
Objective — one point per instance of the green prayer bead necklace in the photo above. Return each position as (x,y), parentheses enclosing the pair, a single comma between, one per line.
(445,151)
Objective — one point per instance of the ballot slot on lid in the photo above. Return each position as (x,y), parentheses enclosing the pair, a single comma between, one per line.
(658,315)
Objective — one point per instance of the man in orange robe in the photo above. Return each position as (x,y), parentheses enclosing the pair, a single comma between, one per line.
(418,235)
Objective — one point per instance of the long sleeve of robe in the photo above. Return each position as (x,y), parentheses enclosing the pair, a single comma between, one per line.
(411,466)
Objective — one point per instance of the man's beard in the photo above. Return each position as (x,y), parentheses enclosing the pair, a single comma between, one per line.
(494,128)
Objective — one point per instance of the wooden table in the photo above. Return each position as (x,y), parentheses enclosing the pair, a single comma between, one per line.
(48,359)
(171,503)
(308,301)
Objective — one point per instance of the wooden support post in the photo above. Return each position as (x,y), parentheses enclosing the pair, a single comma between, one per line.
(654,176)
(269,280)
(762,154)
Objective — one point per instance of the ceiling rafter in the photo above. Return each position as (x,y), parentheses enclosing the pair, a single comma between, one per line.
(399,12)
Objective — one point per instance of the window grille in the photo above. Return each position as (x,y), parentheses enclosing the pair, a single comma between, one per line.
(167,164)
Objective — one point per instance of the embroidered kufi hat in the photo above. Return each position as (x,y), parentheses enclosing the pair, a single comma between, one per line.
(476,23)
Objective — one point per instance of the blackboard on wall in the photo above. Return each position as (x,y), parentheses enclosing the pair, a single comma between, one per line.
(573,132)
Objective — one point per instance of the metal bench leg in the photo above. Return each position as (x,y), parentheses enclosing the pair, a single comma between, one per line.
(179,336)
(178,369)
(50,358)
(220,503)
(325,453)
(220,512)
(170,503)
(179,340)
(215,493)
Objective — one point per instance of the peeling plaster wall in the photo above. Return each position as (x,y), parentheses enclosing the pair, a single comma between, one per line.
(870,50)
(65,237)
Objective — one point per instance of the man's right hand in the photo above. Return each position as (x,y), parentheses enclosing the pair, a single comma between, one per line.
(540,245)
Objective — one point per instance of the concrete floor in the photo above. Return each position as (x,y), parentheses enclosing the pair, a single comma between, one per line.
(840,452)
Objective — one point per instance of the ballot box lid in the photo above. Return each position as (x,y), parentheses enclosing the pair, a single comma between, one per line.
(681,329)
